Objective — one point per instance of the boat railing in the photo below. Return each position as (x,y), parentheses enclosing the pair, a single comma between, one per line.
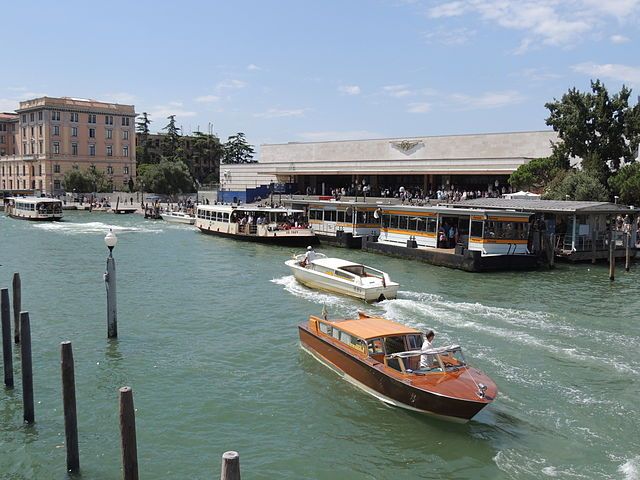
(441,359)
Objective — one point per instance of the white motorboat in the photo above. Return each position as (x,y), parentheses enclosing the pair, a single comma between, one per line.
(179,217)
(344,277)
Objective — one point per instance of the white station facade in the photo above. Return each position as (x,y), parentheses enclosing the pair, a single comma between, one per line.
(453,162)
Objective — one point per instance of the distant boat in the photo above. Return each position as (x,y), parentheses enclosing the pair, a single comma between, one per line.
(178,217)
(383,358)
(34,208)
(344,277)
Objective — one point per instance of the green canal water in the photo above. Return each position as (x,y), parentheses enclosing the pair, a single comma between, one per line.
(208,342)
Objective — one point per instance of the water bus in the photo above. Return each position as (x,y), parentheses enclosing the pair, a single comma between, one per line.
(468,239)
(33,208)
(343,277)
(383,358)
(342,224)
(278,226)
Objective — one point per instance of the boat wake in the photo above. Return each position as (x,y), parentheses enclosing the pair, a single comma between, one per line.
(71,228)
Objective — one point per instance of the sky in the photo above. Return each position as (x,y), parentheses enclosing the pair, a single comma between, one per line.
(293,71)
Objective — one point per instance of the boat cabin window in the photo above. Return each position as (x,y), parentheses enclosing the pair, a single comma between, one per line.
(348,215)
(431,224)
(330,216)
(421,224)
(344,275)
(385,221)
(340,216)
(375,346)
(315,214)
(414,342)
(476,228)
(325,328)
(226,217)
(393,345)
(506,230)
(355,269)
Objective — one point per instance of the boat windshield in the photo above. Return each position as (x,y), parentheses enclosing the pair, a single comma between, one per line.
(362,271)
(441,359)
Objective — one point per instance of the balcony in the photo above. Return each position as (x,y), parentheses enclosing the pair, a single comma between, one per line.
(22,158)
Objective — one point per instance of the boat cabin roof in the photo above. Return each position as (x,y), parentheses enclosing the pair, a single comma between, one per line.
(233,208)
(367,327)
(34,199)
(334,263)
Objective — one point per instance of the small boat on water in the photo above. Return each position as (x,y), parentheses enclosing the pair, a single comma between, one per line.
(384,359)
(178,217)
(344,277)
(34,208)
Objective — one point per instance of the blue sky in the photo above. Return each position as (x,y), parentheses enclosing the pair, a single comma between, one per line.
(284,71)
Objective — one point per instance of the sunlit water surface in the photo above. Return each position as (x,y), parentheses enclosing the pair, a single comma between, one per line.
(208,341)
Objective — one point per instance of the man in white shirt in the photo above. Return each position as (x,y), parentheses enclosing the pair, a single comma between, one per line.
(310,256)
(426,346)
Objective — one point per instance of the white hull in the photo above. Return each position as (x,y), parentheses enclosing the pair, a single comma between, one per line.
(331,283)
(185,220)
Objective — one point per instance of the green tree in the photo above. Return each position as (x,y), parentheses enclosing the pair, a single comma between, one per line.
(142,150)
(90,180)
(593,126)
(539,172)
(167,177)
(206,151)
(626,183)
(576,185)
(171,142)
(237,150)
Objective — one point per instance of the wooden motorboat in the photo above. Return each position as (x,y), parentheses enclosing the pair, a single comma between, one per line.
(179,217)
(344,277)
(383,358)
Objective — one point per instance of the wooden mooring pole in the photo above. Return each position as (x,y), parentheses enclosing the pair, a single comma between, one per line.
(7,349)
(69,405)
(230,466)
(128,435)
(612,256)
(17,305)
(627,251)
(27,370)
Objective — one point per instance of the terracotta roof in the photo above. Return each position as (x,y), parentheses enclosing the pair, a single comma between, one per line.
(372,327)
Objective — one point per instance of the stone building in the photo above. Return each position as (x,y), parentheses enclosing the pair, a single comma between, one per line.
(51,136)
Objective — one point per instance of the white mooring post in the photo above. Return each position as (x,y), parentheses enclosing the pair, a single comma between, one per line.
(110,282)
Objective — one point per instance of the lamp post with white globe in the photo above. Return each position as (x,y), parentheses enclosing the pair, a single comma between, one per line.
(110,282)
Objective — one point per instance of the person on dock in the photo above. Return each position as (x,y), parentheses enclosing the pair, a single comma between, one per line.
(425,358)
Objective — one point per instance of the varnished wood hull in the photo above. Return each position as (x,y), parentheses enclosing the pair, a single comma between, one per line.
(370,377)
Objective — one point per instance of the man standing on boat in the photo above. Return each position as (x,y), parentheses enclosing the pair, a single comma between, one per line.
(310,256)
(425,360)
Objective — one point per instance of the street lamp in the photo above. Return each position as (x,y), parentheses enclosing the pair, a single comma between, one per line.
(110,241)
(615,199)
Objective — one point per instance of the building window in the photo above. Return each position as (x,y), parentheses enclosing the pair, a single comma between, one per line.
(33,132)
(56,129)
(91,118)
(108,133)
(110,170)
(24,149)
(92,133)
(109,150)
(125,151)
(40,130)
(1,138)
(40,147)
(74,131)
(108,120)
(33,147)
(92,149)
(125,121)
(24,170)
(73,117)
(74,149)
(125,134)
(55,116)
(32,116)
(24,118)
(40,169)
(56,148)
(40,115)
(24,132)
(126,170)
(56,184)
(56,168)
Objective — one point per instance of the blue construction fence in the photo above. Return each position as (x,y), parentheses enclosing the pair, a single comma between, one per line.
(251,195)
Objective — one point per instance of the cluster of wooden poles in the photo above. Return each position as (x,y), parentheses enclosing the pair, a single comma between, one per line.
(22,337)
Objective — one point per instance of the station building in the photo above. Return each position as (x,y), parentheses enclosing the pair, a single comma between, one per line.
(463,162)
(47,137)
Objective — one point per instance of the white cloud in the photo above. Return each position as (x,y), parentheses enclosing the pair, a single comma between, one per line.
(448,9)
(172,108)
(232,84)
(622,73)
(617,39)
(397,91)
(449,37)
(420,107)
(620,9)
(279,113)
(325,136)
(487,100)
(349,89)
(537,74)
(253,67)
(207,99)
(8,105)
